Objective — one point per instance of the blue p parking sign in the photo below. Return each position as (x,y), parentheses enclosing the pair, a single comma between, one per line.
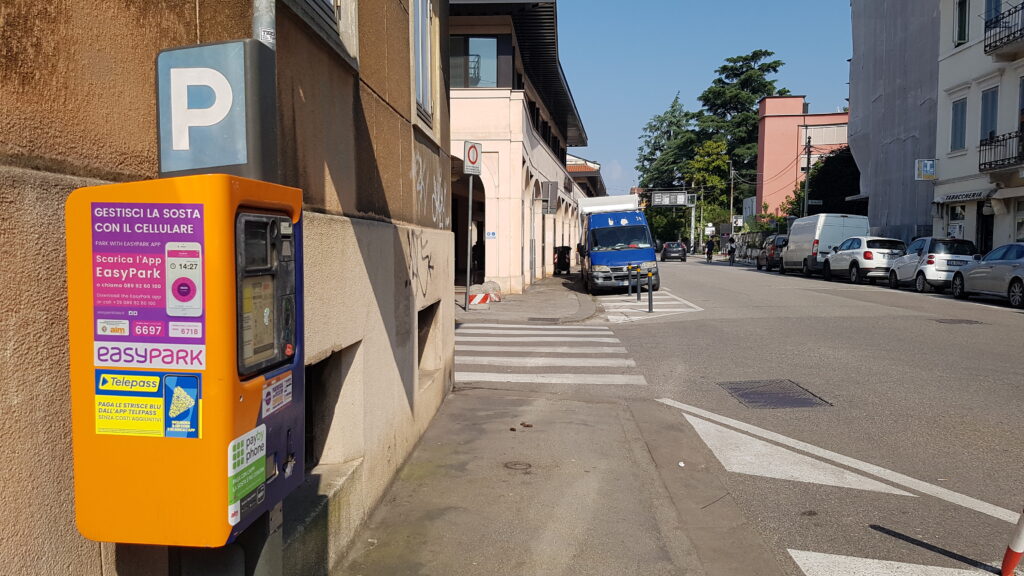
(217,110)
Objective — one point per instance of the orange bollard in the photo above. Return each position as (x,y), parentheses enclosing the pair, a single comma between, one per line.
(1014,550)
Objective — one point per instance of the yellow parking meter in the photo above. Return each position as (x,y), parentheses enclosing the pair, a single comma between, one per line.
(185,322)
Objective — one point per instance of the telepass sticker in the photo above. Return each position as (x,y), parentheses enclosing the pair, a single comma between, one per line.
(148,404)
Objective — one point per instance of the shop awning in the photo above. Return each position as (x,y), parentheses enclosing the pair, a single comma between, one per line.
(972,196)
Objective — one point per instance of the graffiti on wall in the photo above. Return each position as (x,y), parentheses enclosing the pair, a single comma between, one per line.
(433,199)
(421,261)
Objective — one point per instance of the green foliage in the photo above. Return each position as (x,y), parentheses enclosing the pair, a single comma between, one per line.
(680,148)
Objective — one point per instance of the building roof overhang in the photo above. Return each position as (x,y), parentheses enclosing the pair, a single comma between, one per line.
(536,26)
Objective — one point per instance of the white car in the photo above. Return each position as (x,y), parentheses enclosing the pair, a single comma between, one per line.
(931,262)
(999,273)
(863,258)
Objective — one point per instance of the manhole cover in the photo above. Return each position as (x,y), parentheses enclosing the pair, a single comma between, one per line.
(958,321)
(772,394)
(518,466)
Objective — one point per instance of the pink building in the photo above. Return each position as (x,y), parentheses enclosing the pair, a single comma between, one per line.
(784,126)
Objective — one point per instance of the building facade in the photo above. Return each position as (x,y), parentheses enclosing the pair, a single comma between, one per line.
(893,90)
(362,122)
(783,127)
(509,94)
(979,194)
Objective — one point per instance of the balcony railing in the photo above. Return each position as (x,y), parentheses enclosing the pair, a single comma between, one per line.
(1000,152)
(1004,29)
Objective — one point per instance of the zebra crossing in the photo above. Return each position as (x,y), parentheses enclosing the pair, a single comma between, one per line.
(621,308)
(514,353)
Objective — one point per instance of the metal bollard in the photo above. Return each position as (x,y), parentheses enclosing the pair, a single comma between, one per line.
(637,283)
(629,280)
(650,292)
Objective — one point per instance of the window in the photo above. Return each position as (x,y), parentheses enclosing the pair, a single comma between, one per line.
(958,212)
(423,38)
(481,61)
(989,112)
(1020,220)
(958,129)
(887,245)
(960,32)
(954,247)
(855,244)
(992,9)
(997,254)
(916,247)
(1020,104)
(1016,252)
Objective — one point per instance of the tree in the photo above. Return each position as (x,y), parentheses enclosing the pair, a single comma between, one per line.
(665,145)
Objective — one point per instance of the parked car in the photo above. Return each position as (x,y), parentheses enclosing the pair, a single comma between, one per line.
(930,263)
(811,239)
(863,258)
(999,273)
(771,250)
(673,251)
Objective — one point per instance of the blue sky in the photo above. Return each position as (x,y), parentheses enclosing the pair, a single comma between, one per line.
(625,61)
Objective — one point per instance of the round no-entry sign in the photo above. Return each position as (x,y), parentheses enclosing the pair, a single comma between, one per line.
(471,159)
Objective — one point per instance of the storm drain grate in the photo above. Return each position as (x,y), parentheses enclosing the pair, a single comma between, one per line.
(546,320)
(772,394)
(958,321)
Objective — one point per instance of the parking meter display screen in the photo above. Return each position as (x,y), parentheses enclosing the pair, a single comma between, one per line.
(258,322)
(257,244)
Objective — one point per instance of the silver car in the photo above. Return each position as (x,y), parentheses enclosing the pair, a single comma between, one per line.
(999,273)
(931,262)
(863,258)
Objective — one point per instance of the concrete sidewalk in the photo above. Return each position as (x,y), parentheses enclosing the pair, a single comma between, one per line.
(553,300)
(512,483)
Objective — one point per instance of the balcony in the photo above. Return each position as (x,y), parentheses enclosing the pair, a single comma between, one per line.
(1004,34)
(1001,152)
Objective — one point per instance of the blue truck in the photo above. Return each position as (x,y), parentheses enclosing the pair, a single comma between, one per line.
(615,238)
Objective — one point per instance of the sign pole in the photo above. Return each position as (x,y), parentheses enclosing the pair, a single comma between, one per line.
(469,243)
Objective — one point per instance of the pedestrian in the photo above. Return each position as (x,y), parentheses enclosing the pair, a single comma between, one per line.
(709,248)
(732,251)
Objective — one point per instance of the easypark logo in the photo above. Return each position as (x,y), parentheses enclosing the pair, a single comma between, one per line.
(138,355)
(129,383)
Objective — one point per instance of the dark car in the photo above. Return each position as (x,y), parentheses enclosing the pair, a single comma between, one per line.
(673,251)
(771,251)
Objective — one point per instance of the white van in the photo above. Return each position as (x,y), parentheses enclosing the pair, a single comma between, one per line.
(811,240)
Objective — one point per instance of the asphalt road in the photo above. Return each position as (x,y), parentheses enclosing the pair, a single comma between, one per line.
(913,453)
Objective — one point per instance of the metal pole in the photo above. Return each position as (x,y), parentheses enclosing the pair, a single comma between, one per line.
(650,292)
(264,22)
(693,224)
(638,284)
(469,244)
(732,192)
(807,174)
(629,280)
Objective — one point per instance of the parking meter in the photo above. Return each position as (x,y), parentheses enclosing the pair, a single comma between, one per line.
(185,324)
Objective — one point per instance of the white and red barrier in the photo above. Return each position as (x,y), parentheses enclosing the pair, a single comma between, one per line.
(1014,550)
(479,299)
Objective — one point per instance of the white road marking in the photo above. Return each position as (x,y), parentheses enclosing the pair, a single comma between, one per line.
(534,326)
(888,475)
(528,332)
(622,379)
(531,339)
(621,309)
(747,455)
(818,564)
(538,361)
(544,349)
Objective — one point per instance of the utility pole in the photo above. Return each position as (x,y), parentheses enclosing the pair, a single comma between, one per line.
(807,173)
(732,192)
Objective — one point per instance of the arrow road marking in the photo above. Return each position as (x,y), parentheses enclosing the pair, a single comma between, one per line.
(747,455)
(818,564)
(877,471)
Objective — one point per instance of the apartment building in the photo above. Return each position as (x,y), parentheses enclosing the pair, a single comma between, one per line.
(509,93)
(979,194)
(893,86)
(784,124)
(362,120)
